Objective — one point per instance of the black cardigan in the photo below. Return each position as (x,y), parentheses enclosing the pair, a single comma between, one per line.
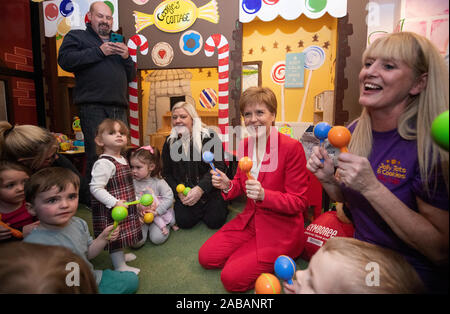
(192,172)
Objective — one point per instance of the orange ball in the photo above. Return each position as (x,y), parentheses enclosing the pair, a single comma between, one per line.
(340,136)
(267,284)
(245,164)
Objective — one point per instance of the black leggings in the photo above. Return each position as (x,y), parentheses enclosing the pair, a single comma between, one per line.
(213,212)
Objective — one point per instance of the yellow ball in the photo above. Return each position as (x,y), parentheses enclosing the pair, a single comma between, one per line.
(180,188)
(148,218)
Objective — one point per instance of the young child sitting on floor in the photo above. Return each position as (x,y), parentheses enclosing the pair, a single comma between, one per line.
(146,168)
(52,195)
(12,201)
(348,265)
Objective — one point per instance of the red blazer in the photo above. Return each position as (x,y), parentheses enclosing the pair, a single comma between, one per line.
(279,217)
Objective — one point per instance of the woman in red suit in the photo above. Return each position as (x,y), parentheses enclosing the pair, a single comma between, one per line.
(271,223)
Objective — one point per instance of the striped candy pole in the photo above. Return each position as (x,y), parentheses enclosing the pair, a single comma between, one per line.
(133,43)
(219,41)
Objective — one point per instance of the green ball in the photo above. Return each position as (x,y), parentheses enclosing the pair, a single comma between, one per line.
(147,199)
(186,191)
(119,213)
(439,130)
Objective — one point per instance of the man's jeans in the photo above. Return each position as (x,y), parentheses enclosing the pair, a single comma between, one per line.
(91,115)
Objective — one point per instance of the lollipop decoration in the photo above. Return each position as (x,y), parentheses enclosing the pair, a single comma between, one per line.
(439,130)
(339,136)
(314,58)
(285,268)
(246,164)
(321,132)
(118,213)
(267,284)
(146,200)
(278,75)
(223,50)
(209,157)
(133,43)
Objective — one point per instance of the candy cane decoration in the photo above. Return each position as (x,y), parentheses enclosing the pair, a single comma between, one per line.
(133,43)
(223,50)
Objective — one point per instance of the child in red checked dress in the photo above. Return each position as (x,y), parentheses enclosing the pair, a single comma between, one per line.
(111,186)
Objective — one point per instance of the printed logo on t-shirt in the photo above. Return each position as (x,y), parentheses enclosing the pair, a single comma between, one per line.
(391,171)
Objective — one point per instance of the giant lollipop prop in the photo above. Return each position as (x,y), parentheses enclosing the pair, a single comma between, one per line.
(208,157)
(285,268)
(321,132)
(439,130)
(339,136)
(278,75)
(118,213)
(136,41)
(314,59)
(246,164)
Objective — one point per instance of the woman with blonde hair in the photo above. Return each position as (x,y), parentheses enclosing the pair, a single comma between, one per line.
(36,148)
(395,179)
(183,164)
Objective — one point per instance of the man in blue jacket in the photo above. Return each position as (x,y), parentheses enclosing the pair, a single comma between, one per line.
(102,71)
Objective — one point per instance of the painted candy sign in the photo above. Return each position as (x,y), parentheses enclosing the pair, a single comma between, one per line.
(174,16)
(268,10)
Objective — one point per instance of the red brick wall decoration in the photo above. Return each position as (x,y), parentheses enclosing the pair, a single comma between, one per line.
(16,55)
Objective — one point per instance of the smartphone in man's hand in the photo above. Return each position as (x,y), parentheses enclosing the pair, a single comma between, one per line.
(116,38)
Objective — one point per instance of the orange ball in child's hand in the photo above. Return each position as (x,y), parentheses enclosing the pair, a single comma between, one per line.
(148,218)
(267,284)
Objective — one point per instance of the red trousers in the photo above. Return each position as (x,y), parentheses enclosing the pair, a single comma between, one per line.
(235,253)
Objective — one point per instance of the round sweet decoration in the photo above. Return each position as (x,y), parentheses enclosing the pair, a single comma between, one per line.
(51,12)
(314,57)
(110,5)
(208,98)
(315,6)
(66,8)
(162,54)
(63,26)
(251,6)
(271,2)
(140,2)
(191,43)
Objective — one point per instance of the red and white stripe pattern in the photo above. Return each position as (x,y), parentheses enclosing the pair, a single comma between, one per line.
(219,41)
(133,43)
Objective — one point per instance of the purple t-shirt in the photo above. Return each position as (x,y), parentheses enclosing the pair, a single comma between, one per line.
(395,163)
